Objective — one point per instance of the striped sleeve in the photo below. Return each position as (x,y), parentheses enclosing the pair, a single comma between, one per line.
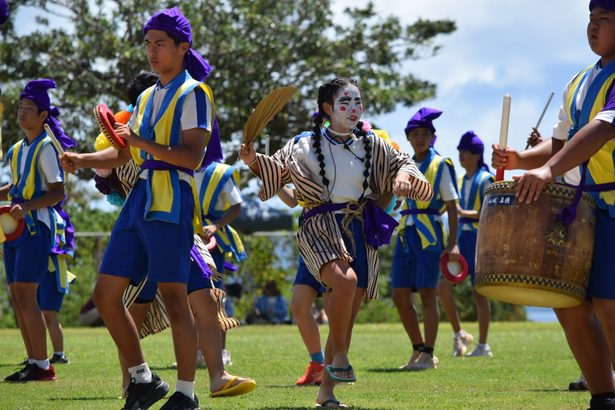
(401,162)
(273,171)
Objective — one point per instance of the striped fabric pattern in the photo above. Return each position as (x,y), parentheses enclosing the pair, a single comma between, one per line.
(319,238)
(128,174)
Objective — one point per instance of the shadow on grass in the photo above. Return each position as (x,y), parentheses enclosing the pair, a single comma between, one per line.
(101,398)
(314,407)
(159,368)
(391,370)
(551,391)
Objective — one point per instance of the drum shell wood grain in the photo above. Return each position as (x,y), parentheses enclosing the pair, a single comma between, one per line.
(525,256)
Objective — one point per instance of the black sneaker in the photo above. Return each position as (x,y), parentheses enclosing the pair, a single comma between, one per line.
(59,359)
(142,395)
(32,373)
(179,401)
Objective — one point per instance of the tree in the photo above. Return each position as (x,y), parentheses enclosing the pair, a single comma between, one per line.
(254,45)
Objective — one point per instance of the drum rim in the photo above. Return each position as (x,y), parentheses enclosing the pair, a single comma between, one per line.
(555,188)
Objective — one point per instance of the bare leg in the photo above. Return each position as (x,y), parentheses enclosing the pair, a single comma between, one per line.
(445,290)
(432,315)
(107,297)
(588,346)
(23,329)
(54,327)
(25,301)
(137,311)
(301,305)
(483,311)
(404,302)
(175,296)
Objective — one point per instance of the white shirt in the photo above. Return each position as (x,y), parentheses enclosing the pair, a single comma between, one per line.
(229,193)
(343,169)
(50,172)
(562,128)
(446,190)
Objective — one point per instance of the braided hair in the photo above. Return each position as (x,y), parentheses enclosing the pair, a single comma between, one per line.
(326,94)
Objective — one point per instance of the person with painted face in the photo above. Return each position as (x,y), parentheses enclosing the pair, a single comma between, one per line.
(36,192)
(420,243)
(472,188)
(344,175)
(584,139)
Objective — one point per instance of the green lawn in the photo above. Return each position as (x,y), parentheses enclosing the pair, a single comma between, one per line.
(531,369)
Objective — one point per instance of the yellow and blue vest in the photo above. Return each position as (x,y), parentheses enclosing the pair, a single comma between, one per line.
(27,185)
(426,225)
(474,199)
(216,175)
(601,167)
(163,192)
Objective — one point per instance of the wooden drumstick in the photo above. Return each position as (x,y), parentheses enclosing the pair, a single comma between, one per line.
(54,140)
(504,131)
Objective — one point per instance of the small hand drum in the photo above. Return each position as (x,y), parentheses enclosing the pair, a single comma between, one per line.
(105,120)
(12,229)
(455,272)
(211,245)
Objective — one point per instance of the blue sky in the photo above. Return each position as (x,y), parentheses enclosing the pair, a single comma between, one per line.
(526,48)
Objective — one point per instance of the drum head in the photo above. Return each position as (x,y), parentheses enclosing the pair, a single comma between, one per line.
(212,243)
(106,119)
(12,229)
(455,272)
(527,296)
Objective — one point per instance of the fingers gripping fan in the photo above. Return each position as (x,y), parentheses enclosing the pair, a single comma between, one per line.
(455,272)
(12,229)
(106,120)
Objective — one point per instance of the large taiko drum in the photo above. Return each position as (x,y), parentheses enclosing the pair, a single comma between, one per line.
(525,256)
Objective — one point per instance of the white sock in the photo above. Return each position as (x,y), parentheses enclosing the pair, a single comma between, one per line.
(185,388)
(59,353)
(140,373)
(43,364)
(30,361)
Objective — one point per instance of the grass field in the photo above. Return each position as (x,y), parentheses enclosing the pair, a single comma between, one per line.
(531,369)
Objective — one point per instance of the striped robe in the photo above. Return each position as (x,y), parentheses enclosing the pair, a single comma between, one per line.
(319,237)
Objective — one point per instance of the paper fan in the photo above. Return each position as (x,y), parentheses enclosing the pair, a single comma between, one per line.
(265,111)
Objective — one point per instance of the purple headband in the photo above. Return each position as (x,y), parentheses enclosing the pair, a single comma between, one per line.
(174,23)
(423,118)
(471,142)
(4,12)
(36,91)
(605,4)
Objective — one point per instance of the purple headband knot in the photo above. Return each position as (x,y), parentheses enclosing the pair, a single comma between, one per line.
(4,11)
(176,25)
(36,91)
(605,4)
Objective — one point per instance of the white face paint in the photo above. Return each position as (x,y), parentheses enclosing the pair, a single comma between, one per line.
(347,108)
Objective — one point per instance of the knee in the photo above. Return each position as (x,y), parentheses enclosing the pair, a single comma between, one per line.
(399,298)
(428,298)
(297,308)
(99,296)
(25,298)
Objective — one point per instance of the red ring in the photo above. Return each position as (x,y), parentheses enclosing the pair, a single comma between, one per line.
(212,243)
(21,225)
(449,276)
(106,120)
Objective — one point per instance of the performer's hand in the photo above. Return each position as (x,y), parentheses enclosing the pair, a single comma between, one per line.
(535,138)
(19,210)
(209,231)
(453,253)
(402,185)
(124,131)
(531,184)
(70,162)
(508,159)
(247,153)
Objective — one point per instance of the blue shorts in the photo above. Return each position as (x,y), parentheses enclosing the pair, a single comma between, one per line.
(467,248)
(415,267)
(196,281)
(49,297)
(602,274)
(304,277)
(26,259)
(359,255)
(160,250)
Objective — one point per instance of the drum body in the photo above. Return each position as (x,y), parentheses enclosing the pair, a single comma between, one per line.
(525,256)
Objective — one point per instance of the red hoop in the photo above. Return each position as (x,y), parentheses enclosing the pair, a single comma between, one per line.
(21,224)
(211,245)
(448,275)
(105,120)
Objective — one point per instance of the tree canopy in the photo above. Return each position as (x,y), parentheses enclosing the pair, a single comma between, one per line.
(94,47)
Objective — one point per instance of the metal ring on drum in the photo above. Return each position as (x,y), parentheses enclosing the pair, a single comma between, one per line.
(525,256)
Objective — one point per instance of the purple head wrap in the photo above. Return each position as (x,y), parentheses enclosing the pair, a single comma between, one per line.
(605,4)
(213,153)
(423,118)
(36,91)
(174,23)
(4,12)
(472,143)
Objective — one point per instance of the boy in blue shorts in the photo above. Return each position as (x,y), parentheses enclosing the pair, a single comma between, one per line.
(585,137)
(167,134)
(35,192)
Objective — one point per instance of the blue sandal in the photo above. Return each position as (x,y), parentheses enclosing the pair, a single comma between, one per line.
(336,404)
(331,370)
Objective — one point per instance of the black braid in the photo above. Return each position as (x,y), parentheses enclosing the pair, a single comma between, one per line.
(367,144)
(318,149)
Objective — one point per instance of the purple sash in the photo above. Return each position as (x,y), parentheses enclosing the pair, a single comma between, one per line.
(200,262)
(415,211)
(157,165)
(467,220)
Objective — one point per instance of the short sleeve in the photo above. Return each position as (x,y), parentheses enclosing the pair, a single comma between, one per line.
(447,189)
(197,111)
(49,165)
